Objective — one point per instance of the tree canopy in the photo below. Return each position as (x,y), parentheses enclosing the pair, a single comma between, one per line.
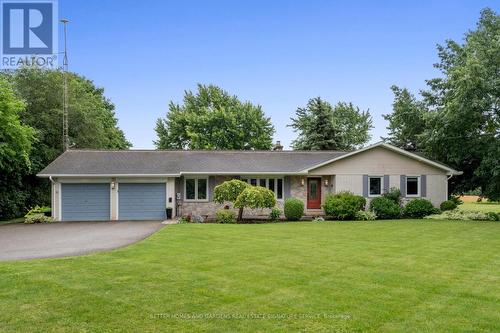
(462,109)
(213,119)
(406,122)
(92,124)
(16,141)
(324,127)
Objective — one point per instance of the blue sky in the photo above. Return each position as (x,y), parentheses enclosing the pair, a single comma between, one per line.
(274,53)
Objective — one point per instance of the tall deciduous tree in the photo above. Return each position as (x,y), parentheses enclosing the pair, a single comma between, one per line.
(92,122)
(323,127)
(213,119)
(15,146)
(464,128)
(406,122)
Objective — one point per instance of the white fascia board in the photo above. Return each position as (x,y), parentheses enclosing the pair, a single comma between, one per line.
(108,175)
(246,173)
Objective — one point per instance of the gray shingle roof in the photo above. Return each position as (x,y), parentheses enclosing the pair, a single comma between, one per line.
(175,162)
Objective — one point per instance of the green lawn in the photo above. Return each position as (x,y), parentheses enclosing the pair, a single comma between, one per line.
(484,207)
(397,276)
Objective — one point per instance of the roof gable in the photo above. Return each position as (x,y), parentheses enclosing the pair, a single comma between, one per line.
(392,148)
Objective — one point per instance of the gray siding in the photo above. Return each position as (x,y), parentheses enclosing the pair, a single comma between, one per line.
(141,201)
(85,202)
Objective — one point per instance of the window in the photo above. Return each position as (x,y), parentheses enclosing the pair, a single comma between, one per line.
(375,185)
(196,189)
(273,184)
(279,193)
(412,186)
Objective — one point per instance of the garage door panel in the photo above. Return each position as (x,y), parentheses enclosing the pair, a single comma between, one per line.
(85,202)
(145,201)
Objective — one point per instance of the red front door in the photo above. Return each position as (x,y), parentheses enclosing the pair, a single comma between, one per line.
(313,193)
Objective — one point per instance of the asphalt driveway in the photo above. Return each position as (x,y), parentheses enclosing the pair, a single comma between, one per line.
(29,241)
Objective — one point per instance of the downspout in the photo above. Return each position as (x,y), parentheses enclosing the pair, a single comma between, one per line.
(53,196)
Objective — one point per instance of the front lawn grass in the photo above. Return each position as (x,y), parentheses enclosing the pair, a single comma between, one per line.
(398,276)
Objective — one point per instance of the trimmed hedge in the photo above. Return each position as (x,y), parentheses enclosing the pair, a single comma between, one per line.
(385,208)
(418,208)
(343,205)
(294,209)
(448,205)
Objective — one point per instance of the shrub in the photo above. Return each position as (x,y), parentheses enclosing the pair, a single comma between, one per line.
(362,215)
(37,218)
(225,216)
(461,215)
(197,219)
(456,199)
(229,191)
(385,208)
(448,205)
(39,210)
(394,194)
(343,205)
(294,209)
(183,220)
(418,208)
(275,214)
(492,216)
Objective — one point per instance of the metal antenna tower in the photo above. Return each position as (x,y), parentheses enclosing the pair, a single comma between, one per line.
(65,90)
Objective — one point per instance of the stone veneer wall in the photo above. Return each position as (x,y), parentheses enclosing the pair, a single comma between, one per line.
(296,190)
(210,208)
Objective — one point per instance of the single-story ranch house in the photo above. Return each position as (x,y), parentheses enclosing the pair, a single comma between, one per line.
(139,185)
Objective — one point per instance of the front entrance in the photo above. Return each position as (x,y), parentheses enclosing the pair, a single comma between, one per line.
(313,193)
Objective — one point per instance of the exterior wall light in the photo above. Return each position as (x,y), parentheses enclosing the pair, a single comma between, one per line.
(113,184)
(326,181)
(302,182)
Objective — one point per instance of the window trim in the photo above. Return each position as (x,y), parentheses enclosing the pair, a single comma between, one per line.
(196,190)
(381,186)
(418,186)
(258,178)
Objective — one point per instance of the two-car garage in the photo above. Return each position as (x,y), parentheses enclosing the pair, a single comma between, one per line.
(93,201)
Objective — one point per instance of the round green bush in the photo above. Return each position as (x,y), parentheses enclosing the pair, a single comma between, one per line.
(343,205)
(418,208)
(294,209)
(448,205)
(225,216)
(385,208)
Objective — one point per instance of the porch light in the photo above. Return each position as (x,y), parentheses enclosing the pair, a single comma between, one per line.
(326,182)
(113,185)
(302,182)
